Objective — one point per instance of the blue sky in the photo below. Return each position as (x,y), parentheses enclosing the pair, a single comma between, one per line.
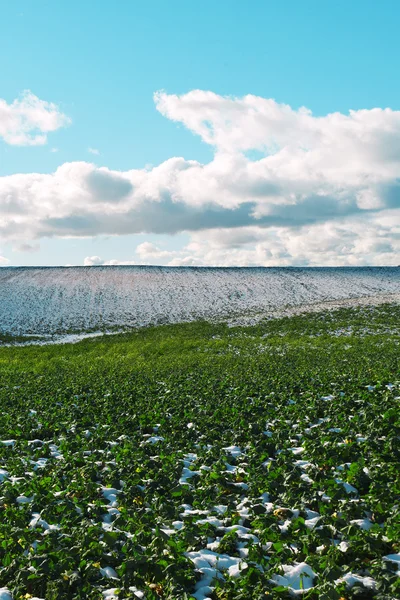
(101,62)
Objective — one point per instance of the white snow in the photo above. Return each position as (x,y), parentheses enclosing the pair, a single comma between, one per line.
(211,565)
(303,464)
(297,451)
(306,478)
(154,439)
(311,523)
(110,594)
(37,521)
(54,451)
(365,524)
(350,489)
(109,573)
(210,520)
(299,578)
(234,451)
(39,464)
(351,579)
(43,301)
(24,499)
(189,458)
(187,474)
(110,494)
(108,517)
(343,546)
(394,558)
(137,593)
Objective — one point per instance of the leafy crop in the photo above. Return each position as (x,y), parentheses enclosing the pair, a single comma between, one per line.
(198,459)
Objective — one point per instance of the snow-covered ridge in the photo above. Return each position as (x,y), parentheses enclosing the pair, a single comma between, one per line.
(48,300)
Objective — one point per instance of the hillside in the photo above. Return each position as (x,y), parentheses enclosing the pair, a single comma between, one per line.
(64,299)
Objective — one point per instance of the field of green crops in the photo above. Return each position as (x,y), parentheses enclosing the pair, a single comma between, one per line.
(202,461)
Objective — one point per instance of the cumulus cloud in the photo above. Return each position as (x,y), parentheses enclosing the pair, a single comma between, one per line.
(322,190)
(92,261)
(96,261)
(28,120)
(350,242)
(94,151)
(149,252)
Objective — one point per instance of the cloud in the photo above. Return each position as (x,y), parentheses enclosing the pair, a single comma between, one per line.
(92,261)
(148,251)
(94,151)
(283,187)
(349,242)
(28,120)
(254,123)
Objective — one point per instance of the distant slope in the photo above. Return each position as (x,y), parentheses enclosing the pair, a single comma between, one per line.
(57,300)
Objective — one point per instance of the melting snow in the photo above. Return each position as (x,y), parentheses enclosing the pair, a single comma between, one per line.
(347,486)
(187,474)
(110,494)
(24,499)
(110,594)
(394,558)
(154,439)
(211,564)
(299,577)
(365,524)
(37,521)
(109,573)
(234,451)
(350,580)
(298,450)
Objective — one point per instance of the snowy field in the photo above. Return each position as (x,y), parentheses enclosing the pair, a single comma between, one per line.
(46,301)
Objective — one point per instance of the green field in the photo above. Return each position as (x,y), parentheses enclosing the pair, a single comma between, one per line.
(178,457)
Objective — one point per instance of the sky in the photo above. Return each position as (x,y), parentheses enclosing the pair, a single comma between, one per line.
(224,133)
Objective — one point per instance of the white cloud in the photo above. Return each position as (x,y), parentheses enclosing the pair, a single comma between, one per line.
(91,261)
(28,120)
(150,252)
(94,151)
(326,190)
(350,242)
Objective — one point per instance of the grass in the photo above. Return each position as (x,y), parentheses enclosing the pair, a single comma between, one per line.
(200,430)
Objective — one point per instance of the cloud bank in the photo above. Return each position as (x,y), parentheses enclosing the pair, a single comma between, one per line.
(283,187)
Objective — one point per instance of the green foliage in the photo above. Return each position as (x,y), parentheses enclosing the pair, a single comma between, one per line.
(84,416)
